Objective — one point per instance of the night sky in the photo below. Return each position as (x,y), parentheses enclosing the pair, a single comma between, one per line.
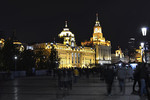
(39,21)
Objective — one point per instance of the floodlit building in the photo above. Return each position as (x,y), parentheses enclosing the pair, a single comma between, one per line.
(69,53)
(138,55)
(102,46)
(18,45)
(119,56)
(119,53)
(2,43)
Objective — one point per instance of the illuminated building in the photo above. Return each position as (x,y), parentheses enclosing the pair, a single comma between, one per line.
(68,36)
(2,43)
(119,53)
(18,45)
(119,56)
(69,53)
(102,47)
(138,55)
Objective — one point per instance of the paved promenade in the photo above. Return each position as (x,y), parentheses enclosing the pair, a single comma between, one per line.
(45,88)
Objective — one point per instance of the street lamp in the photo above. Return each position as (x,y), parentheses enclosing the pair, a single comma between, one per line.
(144,32)
(15,58)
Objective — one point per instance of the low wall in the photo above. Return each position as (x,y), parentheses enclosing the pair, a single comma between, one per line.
(11,75)
(41,72)
(19,73)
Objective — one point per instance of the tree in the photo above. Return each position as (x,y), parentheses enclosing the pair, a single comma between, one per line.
(53,59)
(1,61)
(27,61)
(41,57)
(7,54)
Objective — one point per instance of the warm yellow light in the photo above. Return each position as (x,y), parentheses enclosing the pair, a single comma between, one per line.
(17,43)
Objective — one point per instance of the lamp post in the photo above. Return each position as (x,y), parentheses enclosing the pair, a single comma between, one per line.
(15,58)
(144,33)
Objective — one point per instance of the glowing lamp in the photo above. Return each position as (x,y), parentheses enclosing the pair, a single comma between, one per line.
(142,44)
(144,31)
(15,57)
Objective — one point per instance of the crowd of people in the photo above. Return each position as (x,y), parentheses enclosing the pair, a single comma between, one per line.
(109,73)
(140,75)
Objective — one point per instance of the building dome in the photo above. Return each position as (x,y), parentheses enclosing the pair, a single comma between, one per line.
(66,32)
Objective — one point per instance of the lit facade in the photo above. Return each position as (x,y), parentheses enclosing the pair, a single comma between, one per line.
(119,56)
(102,47)
(138,55)
(119,53)
(2,43)
(18,45)
(69,53)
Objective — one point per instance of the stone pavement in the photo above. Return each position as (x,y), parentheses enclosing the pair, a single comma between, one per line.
(45,88)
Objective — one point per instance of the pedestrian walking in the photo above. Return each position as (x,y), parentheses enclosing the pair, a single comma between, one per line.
(109,77)
(130,73)
(136,78)
(76,74)
(60,78)
(121,78)
(65,77)
(143,79)
(148,81)
(70,79)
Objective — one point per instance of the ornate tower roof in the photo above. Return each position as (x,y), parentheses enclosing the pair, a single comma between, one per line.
(66,32)
(97,21)
(68,36)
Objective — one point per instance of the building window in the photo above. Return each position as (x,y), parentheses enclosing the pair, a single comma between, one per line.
(69,60)
(78,58)
(75,57)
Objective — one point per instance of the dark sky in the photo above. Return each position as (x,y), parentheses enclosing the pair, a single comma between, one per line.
(39,21)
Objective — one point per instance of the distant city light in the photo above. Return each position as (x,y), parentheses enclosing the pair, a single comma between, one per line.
(120,64)
(29,47)
(15,57)
(133,65)
(127,65)
(132,38)
(142,44)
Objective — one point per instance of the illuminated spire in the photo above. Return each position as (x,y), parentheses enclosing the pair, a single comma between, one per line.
(66,24)
(96,16)
(97,21)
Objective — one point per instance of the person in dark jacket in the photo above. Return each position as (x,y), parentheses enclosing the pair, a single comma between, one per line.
(143,79)
(121,78)
(109,77)
(136,77)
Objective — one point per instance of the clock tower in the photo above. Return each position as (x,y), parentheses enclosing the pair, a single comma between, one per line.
(102,47)
(97,34)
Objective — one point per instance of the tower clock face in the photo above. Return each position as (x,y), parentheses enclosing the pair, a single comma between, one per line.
(96,29)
